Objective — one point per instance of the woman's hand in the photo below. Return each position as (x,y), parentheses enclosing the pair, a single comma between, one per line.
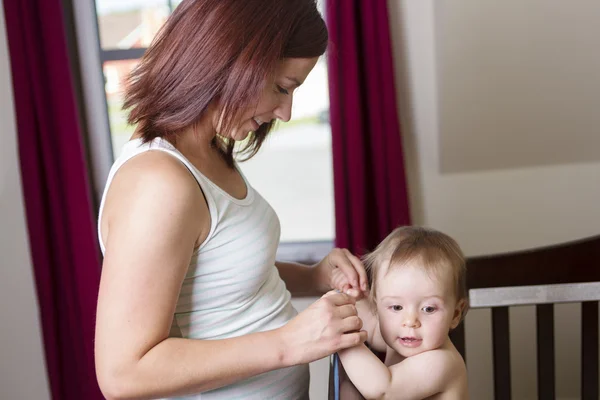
(327,326)
(343,271)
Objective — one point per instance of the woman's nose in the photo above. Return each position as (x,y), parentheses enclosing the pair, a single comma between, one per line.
(283,112)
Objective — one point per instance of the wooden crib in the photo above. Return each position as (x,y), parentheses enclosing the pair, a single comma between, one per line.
(565,273)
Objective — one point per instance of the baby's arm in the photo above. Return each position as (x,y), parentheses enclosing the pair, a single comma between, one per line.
(416,377)
(424,375)
(370,376)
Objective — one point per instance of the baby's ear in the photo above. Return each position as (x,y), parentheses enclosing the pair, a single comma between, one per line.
(458,313)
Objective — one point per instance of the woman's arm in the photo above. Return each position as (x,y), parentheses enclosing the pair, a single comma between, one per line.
(154,216)
(300,279)
(339,270)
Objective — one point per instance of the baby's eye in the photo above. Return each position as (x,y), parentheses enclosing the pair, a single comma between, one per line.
(428,309)
(396,307)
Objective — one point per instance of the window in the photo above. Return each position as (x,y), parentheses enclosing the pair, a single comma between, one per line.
(293,169)
(125,30)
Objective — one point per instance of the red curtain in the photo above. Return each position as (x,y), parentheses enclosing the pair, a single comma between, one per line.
(369,178)
(60,220)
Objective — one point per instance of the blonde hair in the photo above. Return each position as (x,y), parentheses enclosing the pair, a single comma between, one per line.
(434,250)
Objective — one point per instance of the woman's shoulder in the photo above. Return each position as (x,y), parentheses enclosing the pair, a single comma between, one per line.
(146,178)
(154,169)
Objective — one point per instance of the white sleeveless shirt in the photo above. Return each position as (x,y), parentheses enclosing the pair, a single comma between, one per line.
(232,287)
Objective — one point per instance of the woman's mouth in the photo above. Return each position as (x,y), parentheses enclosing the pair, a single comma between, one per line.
(257,123)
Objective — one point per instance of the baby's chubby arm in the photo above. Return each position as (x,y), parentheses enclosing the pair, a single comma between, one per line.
(424,375)
(368,374)
(416,377)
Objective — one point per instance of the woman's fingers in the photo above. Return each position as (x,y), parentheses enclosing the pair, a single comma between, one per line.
(352,339)
(346,311)
(351,324)
(342,262)
(359,268)
(344,315)
(328,325)
(353,293)
(338,298)
(348,271)
(339,281)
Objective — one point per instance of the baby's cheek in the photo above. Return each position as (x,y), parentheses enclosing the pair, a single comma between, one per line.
(387,331)
(440,327)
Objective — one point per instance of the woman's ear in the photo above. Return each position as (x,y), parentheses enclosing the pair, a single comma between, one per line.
(461,305)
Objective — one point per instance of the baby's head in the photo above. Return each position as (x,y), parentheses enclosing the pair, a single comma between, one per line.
(418,288)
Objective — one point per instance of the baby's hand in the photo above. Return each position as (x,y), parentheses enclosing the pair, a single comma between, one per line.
(341,285)
(343,271)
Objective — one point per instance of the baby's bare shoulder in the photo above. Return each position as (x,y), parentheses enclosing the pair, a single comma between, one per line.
(446,355)
(435,374)
(443,362)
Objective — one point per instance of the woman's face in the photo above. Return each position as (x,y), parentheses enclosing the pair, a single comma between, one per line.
(276,99)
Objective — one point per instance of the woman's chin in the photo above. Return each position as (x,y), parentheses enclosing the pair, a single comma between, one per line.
(239,136)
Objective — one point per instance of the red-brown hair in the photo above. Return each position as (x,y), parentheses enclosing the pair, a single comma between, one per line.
(223,50)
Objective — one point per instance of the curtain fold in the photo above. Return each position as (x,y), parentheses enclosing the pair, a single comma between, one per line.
(369,178)
(61,226)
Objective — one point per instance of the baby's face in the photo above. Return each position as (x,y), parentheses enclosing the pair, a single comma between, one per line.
(416,309)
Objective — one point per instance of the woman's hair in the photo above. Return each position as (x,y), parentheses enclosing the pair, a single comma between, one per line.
(223,50)
(433,250)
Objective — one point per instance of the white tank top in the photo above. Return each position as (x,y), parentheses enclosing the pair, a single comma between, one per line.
(232,287)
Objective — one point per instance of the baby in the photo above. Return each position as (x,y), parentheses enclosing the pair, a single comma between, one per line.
(418,294)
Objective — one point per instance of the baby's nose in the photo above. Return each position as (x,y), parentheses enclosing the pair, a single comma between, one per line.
(411,321)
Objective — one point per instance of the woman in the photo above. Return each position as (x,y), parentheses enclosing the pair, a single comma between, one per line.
(192,302)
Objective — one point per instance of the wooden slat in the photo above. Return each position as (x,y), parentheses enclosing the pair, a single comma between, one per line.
(561,266)
(589,350)
(536,294)
(545,351)
(501,343)
(573,262)
(457,335)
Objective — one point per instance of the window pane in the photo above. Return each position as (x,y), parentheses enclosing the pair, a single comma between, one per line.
(130,24)
(293,170)
(115,74)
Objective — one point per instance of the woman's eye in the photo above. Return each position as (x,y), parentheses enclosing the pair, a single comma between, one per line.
(428,309)
(282,90)
(397,308)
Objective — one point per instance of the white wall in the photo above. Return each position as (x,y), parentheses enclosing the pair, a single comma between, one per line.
(22,365)
(501,209)
(519,202)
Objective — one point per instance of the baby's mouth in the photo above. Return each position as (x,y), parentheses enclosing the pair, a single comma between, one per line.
(409,338)
(410,341)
